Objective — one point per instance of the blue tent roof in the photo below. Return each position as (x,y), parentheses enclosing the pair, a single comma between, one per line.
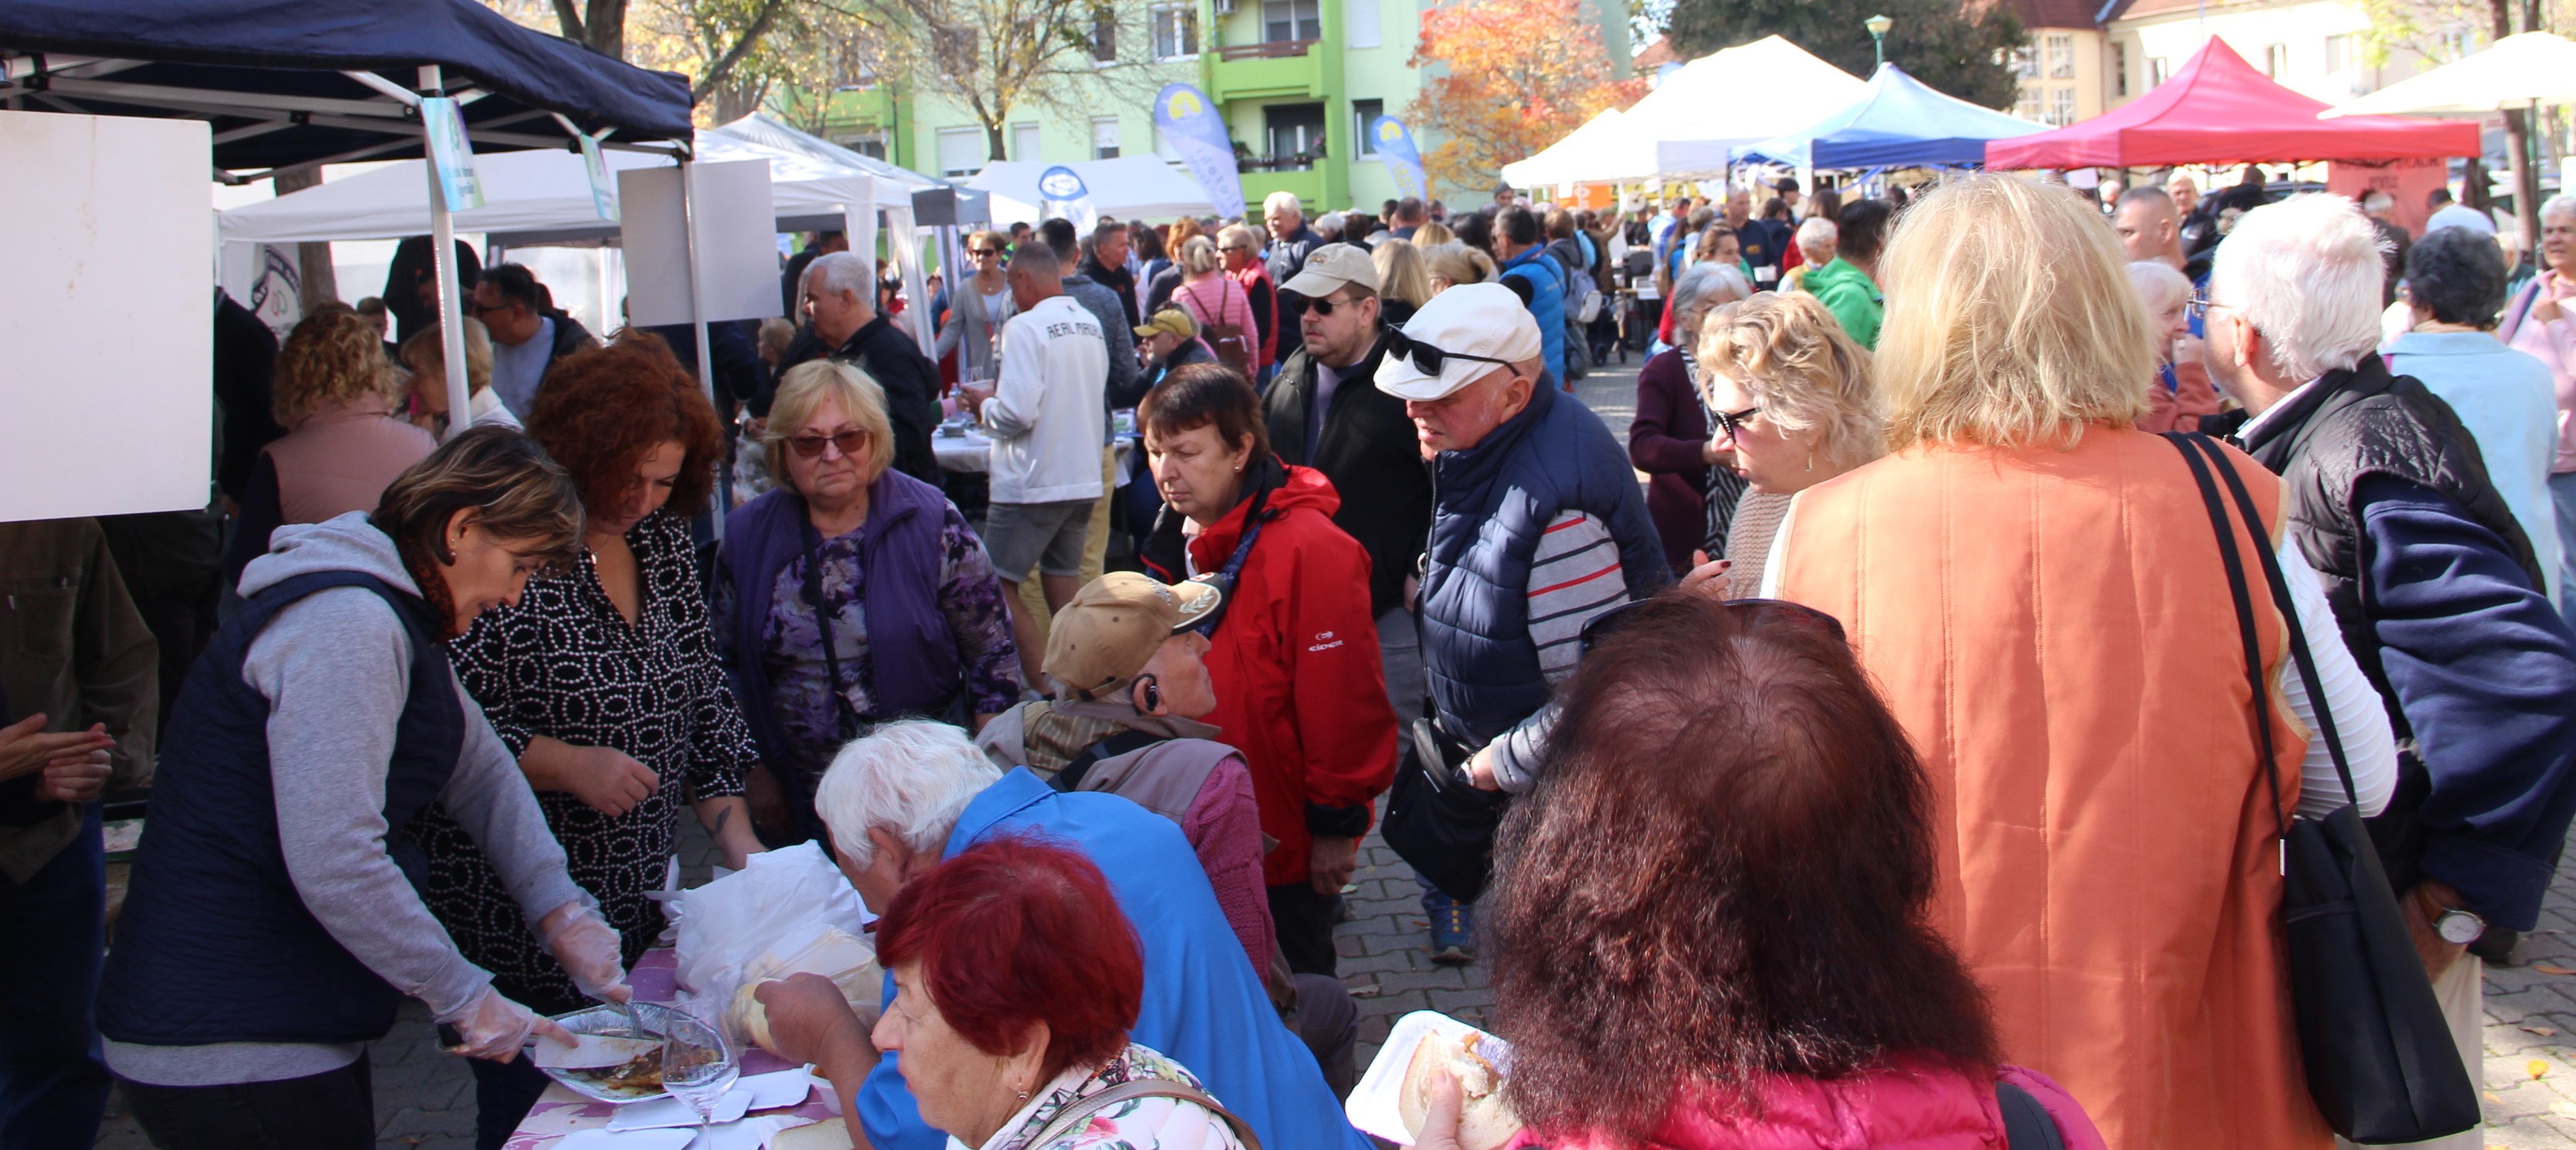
(1897,122)
(269,74)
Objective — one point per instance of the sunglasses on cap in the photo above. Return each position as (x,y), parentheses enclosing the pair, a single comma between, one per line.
(1749,611)
(811,446)
(1428,359)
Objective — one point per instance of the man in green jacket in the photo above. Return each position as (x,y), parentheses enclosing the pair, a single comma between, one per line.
(1848,287)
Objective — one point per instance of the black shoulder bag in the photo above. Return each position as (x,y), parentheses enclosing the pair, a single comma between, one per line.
(2379,1057)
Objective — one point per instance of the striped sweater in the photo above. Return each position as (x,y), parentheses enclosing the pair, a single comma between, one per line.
(1574,576)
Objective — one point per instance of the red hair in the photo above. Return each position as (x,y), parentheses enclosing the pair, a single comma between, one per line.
(1016,931)
(601,409)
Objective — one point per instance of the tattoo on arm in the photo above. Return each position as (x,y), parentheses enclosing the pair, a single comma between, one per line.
(724,818)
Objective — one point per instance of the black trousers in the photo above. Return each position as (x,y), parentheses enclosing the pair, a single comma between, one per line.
(504,1092)
(335,1110)
(1304,920)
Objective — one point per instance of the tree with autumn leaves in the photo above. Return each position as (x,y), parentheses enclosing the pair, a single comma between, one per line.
(1507,78)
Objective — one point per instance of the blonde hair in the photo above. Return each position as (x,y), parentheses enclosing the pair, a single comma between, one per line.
(424,348)
(333,356)
(802,390)
(1983,344)
(1399,272)
(1457,263)
(777,335)
(1794,359)
(1432,233)
(1243,233)
(1198,256)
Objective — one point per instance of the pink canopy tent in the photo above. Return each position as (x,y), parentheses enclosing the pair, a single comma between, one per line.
(2219,110)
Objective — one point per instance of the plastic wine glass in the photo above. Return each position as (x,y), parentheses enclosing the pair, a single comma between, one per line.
(698,1065)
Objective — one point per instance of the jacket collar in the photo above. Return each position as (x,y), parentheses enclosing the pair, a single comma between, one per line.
(1166,548)
(1463,471)
(2280,435)
(856,345)
(1009,795)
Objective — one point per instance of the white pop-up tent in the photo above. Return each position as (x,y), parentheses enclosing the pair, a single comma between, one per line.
(1602,150)
(1129,187)
(1730,99)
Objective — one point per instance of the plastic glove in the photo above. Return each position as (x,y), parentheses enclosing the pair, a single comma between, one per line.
(589,949)
(496,1028)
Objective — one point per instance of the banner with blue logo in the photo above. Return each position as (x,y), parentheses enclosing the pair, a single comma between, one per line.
(1193,126)
(1403,161)
(1063,195)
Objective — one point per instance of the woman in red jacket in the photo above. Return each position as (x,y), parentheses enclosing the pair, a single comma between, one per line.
(1294,651)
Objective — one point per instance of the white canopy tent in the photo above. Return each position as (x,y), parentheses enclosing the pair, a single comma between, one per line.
(1129,187)
(1599,150)
(2522,71)
(1730,99)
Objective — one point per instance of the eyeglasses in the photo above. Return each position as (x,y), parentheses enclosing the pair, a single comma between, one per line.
(1751,612)
(1234,248)
(1732,422)
(1428,359)
(811,446)
(2201,305)
(980,253)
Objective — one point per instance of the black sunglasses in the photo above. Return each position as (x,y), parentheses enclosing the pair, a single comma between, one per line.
(1732,422)
(1325,306)
(1428,359)
(1752,611)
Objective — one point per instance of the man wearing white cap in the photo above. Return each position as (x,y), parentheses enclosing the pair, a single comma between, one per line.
(1537,526)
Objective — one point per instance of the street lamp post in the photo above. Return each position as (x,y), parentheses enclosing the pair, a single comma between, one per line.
(1878,26)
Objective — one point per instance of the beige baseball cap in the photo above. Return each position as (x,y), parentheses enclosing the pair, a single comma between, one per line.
(1331,267)
(1113,626)
(1485,321)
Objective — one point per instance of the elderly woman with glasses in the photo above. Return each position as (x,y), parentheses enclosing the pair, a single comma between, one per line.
(1240,246)
(849,595)
(1669,440)
(977,308)
(1789,395)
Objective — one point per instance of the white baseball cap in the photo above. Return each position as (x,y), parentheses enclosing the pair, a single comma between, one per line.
(1474,328)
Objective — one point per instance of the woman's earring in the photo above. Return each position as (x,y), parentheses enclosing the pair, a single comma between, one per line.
(1811,459)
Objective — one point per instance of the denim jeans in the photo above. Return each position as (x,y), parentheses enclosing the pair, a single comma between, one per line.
(2562,492)
(53,1085)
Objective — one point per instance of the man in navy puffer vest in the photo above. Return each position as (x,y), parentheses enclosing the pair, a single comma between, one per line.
(1537,526)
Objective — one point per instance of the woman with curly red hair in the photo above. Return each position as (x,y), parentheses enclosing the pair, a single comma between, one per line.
(605,682)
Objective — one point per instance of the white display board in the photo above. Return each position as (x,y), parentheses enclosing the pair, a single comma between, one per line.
(106,358)
(737,244)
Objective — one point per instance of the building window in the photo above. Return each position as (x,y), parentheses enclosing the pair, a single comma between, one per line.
(1283,21)
(2454,43)
(2119,69)
(1104,35)
(2061,106)
(1104,137)
(2061,55)
(2028,106)
(1296,134)
(1363,114)
(2025,60)
(2276,60)
(1176,31)
(1360,25)
(1024,141)
(2157,71)
(962,151)
(2339,54)
(871,146)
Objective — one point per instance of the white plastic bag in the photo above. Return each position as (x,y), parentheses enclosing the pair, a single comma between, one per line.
(777,905)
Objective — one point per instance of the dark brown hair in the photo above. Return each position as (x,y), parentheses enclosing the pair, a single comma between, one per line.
(1722,874)
(1204,393)
(602,409)
(523,498)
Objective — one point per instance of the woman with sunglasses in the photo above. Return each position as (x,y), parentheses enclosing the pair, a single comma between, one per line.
(977,309)
(850,594)
(1791,399)
(1300,690)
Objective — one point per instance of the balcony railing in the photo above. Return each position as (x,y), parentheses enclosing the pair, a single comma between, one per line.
(1267,50)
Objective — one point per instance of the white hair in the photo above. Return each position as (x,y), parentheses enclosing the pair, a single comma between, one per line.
(910,778)
(2158,283)
(1330,223)
(845,272)
(1816,230)
(1283,199)
(2562,204)
(2307,273)
(1709,283)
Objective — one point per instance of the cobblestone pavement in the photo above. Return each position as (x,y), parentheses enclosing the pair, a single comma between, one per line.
(425,1098)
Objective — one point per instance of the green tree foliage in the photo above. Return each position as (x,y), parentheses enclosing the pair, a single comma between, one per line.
(1961,49)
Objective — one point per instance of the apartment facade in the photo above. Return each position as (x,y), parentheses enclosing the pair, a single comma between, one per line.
(2318,48)
(2065,69)
(1296,80)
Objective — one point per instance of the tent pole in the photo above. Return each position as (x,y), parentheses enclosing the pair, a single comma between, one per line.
(698,300)
(442,240)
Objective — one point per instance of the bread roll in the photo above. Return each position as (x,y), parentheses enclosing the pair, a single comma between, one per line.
(1484,1122)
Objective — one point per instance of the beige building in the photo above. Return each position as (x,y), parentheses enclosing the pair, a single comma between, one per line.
(2064,65)
(2318,48)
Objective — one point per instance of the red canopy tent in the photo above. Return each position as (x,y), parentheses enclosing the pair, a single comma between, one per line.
(2219,110)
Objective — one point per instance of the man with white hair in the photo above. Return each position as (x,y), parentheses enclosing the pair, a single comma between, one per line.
(841,298)
(1537,526)
(1817,242)
(914,793)
(1291,241)
(2431,579)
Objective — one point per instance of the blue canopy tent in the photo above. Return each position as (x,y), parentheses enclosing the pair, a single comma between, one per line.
(1897,122)
(287,87)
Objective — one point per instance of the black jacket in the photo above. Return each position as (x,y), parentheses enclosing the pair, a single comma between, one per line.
(1116,279)
(741,377)
(245,367)
(570,337)
(1368,449)
(911,383)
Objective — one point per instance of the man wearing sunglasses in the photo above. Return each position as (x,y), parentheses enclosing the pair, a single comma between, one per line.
(1537,525)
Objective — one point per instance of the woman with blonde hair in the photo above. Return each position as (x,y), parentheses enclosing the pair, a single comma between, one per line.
(426,358)
(334,395)
(977,309)
(1452,263)
(1218,303)
(1240,246)
(1432,233)
(1668,439)
(2029,580)
(850,594)
(1794,404)
(1402,285)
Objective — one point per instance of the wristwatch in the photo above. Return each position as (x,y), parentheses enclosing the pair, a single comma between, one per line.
(2457,927)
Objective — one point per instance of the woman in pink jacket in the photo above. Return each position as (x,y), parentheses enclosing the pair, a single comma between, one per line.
(1730,951)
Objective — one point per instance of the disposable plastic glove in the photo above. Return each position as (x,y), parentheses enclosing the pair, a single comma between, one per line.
(496,1028)
(589,949)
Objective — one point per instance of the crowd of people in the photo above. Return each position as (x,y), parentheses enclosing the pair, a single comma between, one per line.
(1863,752)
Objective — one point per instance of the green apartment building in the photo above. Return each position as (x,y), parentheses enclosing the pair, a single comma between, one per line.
(1295,79)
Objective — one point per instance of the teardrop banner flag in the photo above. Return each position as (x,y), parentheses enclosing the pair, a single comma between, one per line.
(1193,126)
(1065,196)
(1403,162)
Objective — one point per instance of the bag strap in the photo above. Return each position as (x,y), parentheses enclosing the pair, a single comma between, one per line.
(1074,1117)
(2244,627)
(2027,1124)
